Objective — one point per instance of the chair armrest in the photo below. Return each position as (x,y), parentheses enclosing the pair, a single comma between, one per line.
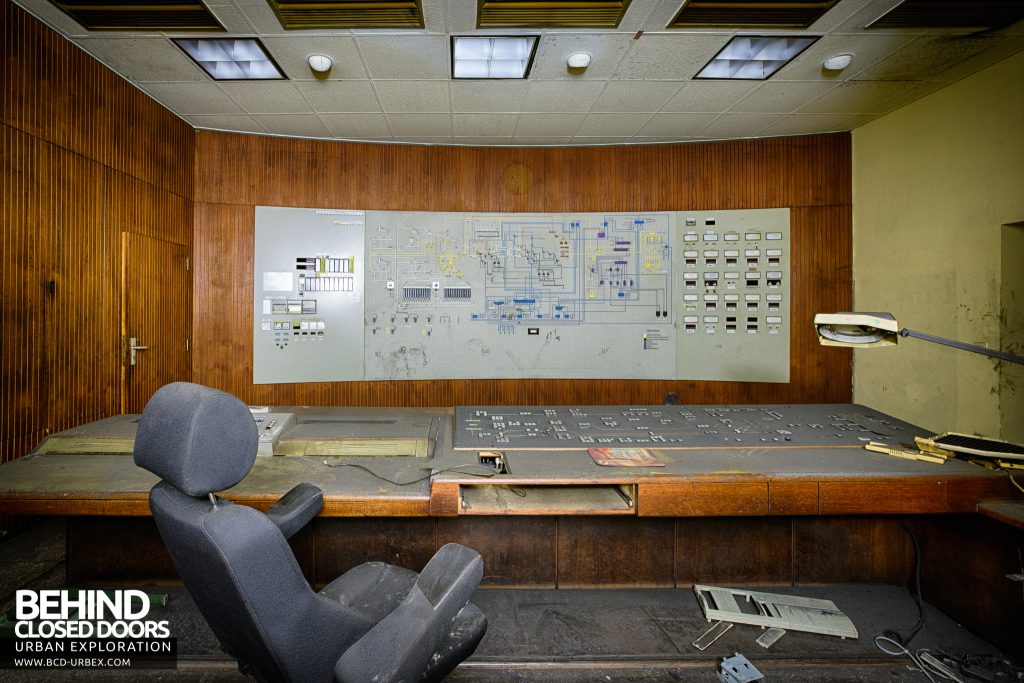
(400,647)
(296,508)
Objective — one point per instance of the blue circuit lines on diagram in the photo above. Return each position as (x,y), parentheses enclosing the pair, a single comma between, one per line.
(518,295)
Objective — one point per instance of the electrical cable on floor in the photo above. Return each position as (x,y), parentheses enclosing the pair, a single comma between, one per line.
(892,634)
(899,650)
(457,468)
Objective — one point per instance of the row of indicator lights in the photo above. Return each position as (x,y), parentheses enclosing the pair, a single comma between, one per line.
(731,236)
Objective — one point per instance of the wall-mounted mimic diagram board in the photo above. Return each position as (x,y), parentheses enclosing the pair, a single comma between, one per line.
(658,295)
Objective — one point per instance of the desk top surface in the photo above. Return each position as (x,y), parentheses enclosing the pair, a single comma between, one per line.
(99,482)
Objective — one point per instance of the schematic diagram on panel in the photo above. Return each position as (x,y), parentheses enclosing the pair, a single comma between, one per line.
(517,295)
(308,308)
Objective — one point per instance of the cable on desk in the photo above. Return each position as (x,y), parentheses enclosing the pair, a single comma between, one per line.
(457,468)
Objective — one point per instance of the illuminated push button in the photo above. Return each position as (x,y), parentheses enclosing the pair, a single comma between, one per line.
(752,236)
(774,236)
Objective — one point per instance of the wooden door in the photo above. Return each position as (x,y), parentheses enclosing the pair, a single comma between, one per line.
(156,312)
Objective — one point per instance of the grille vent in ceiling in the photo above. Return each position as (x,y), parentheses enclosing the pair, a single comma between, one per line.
(314,14)
(147,15)
(951,14)
(750,13)
(550,13)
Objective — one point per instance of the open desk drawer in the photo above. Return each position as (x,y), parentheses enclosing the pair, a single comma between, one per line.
(520,499)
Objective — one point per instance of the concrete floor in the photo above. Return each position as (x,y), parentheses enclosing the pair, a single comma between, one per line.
(573,636)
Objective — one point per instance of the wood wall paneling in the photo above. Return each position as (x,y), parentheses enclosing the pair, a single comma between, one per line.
(85,156)
(965,569)
(342,544)
(754,551)
(517,551)
(615,551)
(851,550)
(235,173)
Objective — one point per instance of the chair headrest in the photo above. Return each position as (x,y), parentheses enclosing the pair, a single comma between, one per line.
(198,439)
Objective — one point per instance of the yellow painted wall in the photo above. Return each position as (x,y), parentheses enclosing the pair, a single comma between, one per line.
(933,184)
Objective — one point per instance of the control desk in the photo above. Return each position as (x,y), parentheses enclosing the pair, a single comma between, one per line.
(712,460)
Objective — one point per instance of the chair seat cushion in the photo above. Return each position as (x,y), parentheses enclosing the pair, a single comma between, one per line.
(374,589)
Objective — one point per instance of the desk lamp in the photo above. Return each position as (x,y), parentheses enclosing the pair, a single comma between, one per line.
(881,329)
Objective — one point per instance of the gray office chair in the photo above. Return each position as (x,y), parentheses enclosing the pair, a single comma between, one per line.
(376,622)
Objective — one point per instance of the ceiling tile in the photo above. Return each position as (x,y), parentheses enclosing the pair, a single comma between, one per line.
(291,52)
(232,19)
(560,96)
(603,125)
(806,124)
(928,56)
(866,49)
(782,97)
(713,96)
(637,15)
(600,140)
(434,18)
(461,16)
(484,125)
(411,96)
(669,56)
(488,96)
(838,15)
(638,140)
(407,56)
(855,97)
(858,120)
(420,125)
(871,11)
(738,125)
(675,125)
(307,125)
(339,96)
(192,98)
(605,48)
(635,96)
(241,123)
(548,125)
(541,141)
(484,141)
(908,95)
(435,140)
(1011,46)
(267,97)
(357,126)
(261,17)
(144,59)
(47,12)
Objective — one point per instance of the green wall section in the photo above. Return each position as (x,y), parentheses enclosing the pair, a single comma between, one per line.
(934,184)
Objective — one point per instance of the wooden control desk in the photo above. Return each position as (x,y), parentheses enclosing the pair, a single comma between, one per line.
(762,512)
(88,471)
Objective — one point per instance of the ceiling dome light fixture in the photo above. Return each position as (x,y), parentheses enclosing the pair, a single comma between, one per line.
(578,60)
(838,62)
(320,64)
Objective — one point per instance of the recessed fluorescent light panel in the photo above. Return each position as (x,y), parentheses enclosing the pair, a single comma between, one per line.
(492,57)
(231,59)
(754,58)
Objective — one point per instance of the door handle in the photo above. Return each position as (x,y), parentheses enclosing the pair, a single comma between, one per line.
(132,348)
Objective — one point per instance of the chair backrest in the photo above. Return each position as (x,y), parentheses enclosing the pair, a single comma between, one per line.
(234,561)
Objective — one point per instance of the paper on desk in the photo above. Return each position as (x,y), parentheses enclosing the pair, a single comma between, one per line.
(624,457)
